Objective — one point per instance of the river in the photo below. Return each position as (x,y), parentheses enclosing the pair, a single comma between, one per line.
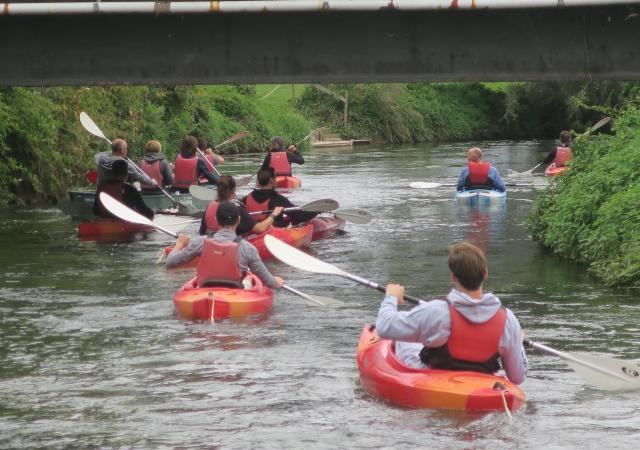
(92,355)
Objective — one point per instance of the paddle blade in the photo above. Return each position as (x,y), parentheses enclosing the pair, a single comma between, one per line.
(359,216)
(319,206)
(123,212)
(244,180)
(298,259)
(424,185)
(203,193)
(315,299)
(606,373)
(598,125)
(91,126)
(234,138)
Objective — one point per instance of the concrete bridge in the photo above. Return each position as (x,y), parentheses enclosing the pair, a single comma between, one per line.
(313,41)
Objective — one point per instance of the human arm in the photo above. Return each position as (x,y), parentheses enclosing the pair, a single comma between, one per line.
(138,175)
(217,159)
(186,253)
(498,184)
(551,156)
(248,258)
(266,162)
(203,224)
(461,179)
(512,353)
(264,225)
(203,171)
(167,173)
(294,156)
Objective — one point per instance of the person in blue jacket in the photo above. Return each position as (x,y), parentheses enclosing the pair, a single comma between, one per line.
(479,174)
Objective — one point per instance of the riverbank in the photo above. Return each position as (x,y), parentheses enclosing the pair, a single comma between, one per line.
(591,214)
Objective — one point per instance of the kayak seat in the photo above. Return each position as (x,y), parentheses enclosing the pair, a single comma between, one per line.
(222,283)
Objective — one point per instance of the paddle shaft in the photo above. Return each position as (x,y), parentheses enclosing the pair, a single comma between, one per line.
(201,153)
(175,202)
(306,137)
(377,287)
(293,208)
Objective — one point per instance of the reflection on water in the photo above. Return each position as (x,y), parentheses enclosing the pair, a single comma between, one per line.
(92,354)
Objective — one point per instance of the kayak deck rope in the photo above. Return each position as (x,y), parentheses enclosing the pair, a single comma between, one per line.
(502,388)
(162,257)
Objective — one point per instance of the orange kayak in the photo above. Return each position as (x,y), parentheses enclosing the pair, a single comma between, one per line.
(288,182)
(552,170)
(382,374)
(206,303)
(111,228)
(326,226)
(299,236)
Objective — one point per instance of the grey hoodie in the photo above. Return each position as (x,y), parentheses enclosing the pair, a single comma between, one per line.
(429,324)
(104,161)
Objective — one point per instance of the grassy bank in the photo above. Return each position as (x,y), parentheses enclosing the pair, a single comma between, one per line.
(591,215)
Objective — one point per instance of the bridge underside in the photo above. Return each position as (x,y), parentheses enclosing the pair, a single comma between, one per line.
(387,46)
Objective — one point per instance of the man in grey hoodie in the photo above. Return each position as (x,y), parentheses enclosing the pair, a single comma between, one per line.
(469,330)
(104,161)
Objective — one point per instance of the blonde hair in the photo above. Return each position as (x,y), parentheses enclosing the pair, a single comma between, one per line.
(474,154)
(468,263)
(152,146)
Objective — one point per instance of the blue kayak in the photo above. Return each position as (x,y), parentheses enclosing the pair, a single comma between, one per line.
(476,197)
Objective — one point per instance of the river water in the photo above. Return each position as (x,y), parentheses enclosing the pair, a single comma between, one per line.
(91,354)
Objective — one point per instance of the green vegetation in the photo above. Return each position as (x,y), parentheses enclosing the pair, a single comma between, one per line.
(592,213)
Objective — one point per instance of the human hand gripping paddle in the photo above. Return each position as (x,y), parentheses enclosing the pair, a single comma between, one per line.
(92,128)
(129,215)
(601,371)
(234,138)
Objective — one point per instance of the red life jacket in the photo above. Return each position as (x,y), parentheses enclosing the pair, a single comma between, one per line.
(212,160)
(185,173)
(479,173)
(280,163)
(114,189)
(253,205)
(471,346)
(153,171)
(563,155)
(210,217)
(218,265)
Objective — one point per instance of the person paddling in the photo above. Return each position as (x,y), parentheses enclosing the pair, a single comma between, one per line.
(280,160)
(205,147)
(227,192)
(105,160)
(468,330)
(562,153)
(189,168)
(118,188)
(265,197)
(479,174)
(225,258)
(156,166)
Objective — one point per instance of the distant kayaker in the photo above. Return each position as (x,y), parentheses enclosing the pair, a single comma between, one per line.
(122,191)
(265,197)
(479,174)
(469,330)
(189,168)
(105,160)
(205,147)
(230,257)
(227,192)
(562,153)
(279,159)
(156,166)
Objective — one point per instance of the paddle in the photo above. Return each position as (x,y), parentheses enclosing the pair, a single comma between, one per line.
(92,128)
(432,185)
(129,215)
(359,216)
(203,193)
(319,206)
(234,138)
(308,136)
(601,371)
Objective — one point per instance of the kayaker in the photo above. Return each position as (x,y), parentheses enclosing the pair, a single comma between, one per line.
(279,159)
(468,330)
(205,147)
(122,191)
(265,197)
(227,192)
(156,166)
(479,174)
(105,160)
(234,264)
(189,168)
(562,153)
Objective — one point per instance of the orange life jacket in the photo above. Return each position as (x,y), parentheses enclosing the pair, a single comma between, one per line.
(479,173)
(153,171)
(563,155)
(280,163)
(185,173)
(218,265)
(253,206)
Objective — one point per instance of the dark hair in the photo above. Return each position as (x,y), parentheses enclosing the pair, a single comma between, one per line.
(469,265)
(188,146)
(565,137)
(203,144)
(227,213)
(118,145)
(226,187)
(277,143)
(265,176)
(120,168)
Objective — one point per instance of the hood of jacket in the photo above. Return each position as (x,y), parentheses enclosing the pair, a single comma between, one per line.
(260,195)
(153,156)
(476,311)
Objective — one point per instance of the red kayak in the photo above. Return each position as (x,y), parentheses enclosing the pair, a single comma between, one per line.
(324,227)
(288,182)
(111,229)
(382,374)
(217,302)
(552,170)
(298,236)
